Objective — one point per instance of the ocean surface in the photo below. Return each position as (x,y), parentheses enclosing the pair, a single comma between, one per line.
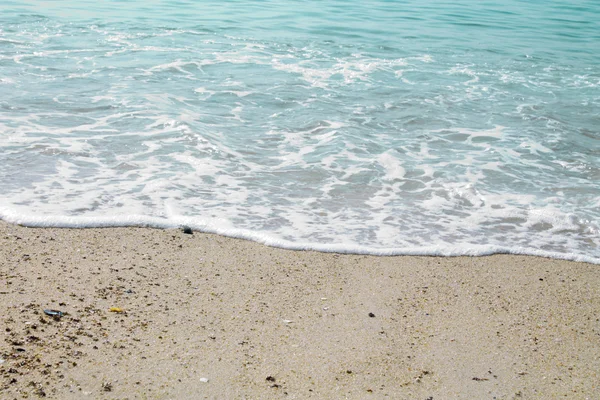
(378,127)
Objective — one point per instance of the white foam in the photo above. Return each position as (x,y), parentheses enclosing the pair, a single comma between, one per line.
(220,227)
(465,71)
(357,68)
(392,166)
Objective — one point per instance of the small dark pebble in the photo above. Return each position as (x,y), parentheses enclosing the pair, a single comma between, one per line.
(20,349)
(275,386)
(371,315)
(348,372)
(270,378)
(187,230)
(480,379)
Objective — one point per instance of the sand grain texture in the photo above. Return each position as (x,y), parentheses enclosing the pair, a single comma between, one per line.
(212,317)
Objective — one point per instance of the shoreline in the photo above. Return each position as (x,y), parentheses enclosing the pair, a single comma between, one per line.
(473,250)
(206,316)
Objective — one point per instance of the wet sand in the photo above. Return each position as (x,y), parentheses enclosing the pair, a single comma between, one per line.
(203,316)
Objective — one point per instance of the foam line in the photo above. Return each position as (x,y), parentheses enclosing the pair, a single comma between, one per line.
(162,223)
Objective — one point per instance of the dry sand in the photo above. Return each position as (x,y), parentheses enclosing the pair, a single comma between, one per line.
(211,317)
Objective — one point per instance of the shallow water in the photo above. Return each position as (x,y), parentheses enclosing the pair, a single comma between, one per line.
(374,127)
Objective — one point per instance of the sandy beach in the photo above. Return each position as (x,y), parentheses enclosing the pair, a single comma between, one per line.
(203,316)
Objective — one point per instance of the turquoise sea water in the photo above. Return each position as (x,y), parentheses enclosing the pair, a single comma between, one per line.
(381,127)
